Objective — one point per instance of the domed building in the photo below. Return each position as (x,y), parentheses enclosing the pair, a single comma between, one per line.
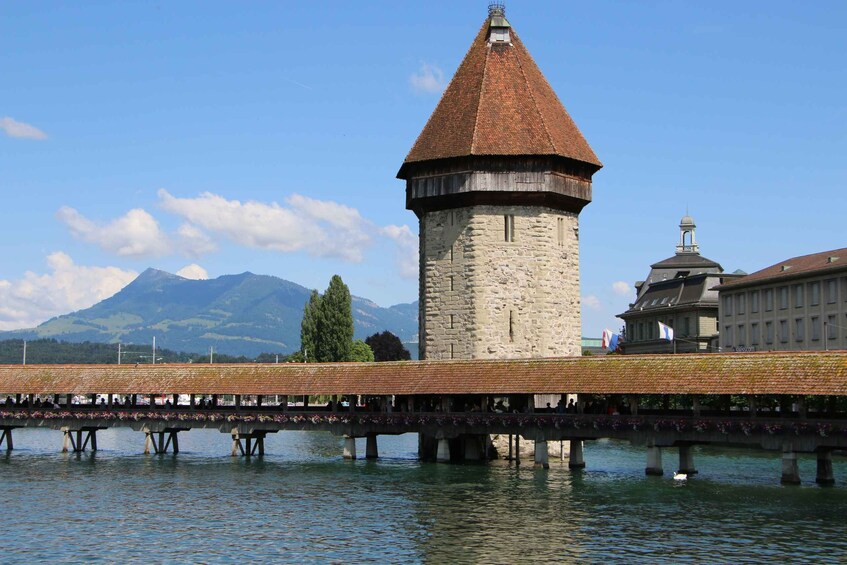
(677,293)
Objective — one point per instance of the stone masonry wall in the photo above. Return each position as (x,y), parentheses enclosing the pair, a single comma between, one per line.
(483,297)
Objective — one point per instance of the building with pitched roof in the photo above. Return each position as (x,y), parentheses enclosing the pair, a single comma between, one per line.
(497,179)
(678,293)
(796,304)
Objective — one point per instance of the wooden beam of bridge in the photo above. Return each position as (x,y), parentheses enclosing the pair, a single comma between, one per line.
(772,373)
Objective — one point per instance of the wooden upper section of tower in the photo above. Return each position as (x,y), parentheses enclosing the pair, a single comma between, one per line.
(499,104)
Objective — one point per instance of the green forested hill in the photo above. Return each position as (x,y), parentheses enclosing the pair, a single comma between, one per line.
(239,315)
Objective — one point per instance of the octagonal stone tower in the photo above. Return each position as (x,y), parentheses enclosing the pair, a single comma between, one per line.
(497,179)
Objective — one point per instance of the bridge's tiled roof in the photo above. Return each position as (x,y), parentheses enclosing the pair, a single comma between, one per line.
(791,373)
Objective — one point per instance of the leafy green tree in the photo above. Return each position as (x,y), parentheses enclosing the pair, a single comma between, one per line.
(361,352)
(387,347)
(326,332)
(310,327)
(335,324)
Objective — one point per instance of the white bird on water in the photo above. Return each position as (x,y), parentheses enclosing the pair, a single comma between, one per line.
(680,476)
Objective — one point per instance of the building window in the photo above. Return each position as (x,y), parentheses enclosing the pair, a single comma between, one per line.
(742,335)
(740,305)
(451,253)
(799,326)
(783,297)
(754,334)
(511,325)
(727,306)
(814,293)
(831,291)
(769,300)
(452,321)
(768,333)
(844,289)
(686,326)
(560,231)
(816,328)
(452,284)
(640,330)
(727,336)
(754,301)
(510,227)
(798,295)
(783,331)
(831,327)
(452,351)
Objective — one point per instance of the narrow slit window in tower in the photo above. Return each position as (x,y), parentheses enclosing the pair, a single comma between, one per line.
(560,229)
(451,282)
(511,325)
(452,350)
(452,320)
(510,227)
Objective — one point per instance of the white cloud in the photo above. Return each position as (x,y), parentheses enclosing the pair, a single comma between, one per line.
(429,79)
(193,241)
(407,249)
(621,288)
(14,128)
(36,298)
(591,301)
(135,234)
(193,272)
(318,227)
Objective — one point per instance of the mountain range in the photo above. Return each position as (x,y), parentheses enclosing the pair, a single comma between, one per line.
(244,314)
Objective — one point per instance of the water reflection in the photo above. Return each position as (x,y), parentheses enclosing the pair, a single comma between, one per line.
(303,502)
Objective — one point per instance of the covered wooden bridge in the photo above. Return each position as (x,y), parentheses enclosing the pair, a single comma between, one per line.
(796,402)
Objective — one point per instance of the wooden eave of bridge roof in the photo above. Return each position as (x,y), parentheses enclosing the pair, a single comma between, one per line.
(788,373)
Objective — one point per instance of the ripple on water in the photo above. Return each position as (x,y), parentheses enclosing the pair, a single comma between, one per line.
(302,502)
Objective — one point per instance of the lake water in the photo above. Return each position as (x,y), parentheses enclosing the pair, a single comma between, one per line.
(303,503)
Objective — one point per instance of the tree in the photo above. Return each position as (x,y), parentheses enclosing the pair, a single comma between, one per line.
(309,330)
(336,323)
(326,332)
(387,347)
(361,352)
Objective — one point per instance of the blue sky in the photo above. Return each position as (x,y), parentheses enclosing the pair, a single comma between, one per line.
(213,138)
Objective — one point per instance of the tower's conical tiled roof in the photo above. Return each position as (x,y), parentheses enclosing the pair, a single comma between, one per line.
(499,103)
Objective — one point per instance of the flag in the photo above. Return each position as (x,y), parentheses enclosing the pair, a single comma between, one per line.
(613,343)
(607,337)
(665,332)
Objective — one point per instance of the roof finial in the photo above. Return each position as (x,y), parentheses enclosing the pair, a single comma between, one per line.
(496,9)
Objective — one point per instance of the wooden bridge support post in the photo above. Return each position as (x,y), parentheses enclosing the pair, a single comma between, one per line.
(824,476)
(790,472)
(163,443)
(576,460)
(686,460)
(6,437)
(79,445)
(253,443)
(443,453)
(654,460)
(510,448)
(541,455)
(371,450)
(517,449)
(349,447)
